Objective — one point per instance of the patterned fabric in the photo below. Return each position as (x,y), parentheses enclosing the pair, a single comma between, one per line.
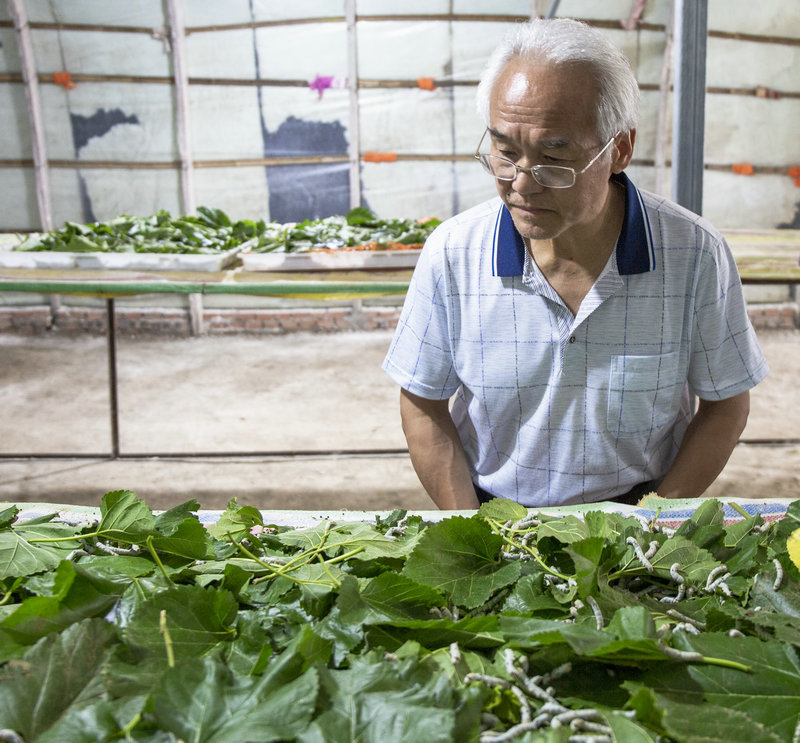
(555,409)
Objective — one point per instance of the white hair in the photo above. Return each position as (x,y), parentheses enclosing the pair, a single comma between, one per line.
(564,41)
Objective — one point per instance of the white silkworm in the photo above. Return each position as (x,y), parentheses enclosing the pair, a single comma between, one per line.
(637,548)
(677,598)
(676,654)
(683,618)
(713,575)
(778,574)
(598,615)
(455,653)
(651,550)
(674,574)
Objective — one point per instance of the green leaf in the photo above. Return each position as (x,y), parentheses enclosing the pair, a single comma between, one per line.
(461,557)
(333,539)
(566,530)
(59,672)
(378,702)
(702,722)
(197,620)
(77,594)
(187,539)
(387,597)
(470,632)
(529,598)
(125,518)
(19,557)
(201,701)
(8,516)
(360,215)
(768,696)
(235,522)
(168,521)
(502,510)
(695,563)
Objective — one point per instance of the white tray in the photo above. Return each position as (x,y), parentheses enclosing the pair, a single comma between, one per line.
(326,260)
(118,261)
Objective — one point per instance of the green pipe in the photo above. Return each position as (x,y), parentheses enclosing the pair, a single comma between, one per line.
(265,288)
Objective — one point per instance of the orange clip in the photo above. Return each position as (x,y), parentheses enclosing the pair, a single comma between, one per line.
(64,79)
(743,168)
(380,157)
(794,172)
(426,83)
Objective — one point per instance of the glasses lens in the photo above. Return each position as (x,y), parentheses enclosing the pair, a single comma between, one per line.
(554,176)
(499,167)
(549,176)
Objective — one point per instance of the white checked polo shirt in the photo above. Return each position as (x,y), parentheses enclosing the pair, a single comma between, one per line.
(553,408)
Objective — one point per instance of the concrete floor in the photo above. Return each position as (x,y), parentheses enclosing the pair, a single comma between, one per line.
(293,393)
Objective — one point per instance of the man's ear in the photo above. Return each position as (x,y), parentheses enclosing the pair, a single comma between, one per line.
(623,151)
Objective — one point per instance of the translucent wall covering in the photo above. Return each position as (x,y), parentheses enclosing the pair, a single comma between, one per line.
(304,109)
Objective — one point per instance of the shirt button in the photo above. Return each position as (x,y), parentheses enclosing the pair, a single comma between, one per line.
(572,339)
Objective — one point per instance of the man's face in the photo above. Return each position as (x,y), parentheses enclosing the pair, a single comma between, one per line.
(545,116)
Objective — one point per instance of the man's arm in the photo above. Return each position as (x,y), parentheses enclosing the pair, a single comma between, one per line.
(706,447)
(436,451)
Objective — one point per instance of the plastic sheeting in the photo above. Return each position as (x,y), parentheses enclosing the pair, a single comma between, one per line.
(270,80)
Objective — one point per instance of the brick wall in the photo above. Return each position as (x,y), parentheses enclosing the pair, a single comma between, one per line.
(34,320)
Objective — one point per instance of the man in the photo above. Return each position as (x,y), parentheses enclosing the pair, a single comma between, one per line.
(575,317)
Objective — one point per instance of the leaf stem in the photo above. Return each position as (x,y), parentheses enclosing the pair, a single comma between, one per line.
(279,573)
(532,552)
(157,560)
(736,507)
(162,626)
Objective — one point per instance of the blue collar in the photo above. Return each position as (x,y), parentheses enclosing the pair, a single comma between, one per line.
(634,251)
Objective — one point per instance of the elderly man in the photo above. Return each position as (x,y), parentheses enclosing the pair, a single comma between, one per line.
(575,317)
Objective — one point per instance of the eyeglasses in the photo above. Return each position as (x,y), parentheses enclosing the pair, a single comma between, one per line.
(549,176)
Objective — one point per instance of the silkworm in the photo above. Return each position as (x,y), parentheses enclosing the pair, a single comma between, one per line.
(683,618)
(455,653)
(735,633)
(676,654)
(677,598)
(111,550)
(712,576)
(598,615)
(517,731)
(638,550)
(674,574)
(651,550)
(778,574)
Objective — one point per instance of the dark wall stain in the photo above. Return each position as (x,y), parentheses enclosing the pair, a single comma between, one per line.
(795,223)
(97,125)
(87,211)
(298,192)
(83,129)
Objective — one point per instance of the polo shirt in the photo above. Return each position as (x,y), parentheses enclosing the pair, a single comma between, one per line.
(554,408)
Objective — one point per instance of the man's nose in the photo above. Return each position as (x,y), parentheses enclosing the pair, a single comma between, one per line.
(525,182)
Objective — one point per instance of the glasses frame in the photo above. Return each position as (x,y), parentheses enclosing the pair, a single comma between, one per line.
(535,170)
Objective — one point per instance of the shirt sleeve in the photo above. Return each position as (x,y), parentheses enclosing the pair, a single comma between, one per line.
(420,357)
(726,356)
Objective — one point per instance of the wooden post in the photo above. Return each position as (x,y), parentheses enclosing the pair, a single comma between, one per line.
(183,125)
(352,85)
(31,81)
(662,124)
(182,116)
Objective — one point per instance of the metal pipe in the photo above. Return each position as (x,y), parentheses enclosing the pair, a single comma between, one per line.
(691,29)
(113,398)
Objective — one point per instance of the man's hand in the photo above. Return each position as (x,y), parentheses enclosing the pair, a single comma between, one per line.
(436,451)
(706,447)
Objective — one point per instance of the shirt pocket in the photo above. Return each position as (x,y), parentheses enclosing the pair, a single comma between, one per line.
(642,393)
